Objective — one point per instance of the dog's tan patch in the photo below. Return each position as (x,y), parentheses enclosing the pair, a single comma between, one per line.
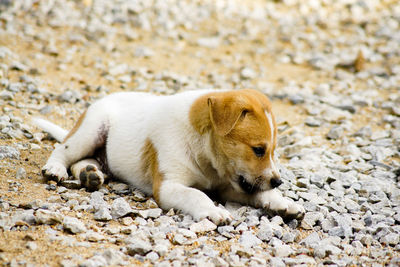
(76,127)
(150,169)
(199,114)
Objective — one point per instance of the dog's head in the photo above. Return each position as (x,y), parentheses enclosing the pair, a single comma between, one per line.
(243,133)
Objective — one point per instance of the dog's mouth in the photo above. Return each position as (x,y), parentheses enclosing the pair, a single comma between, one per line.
(247,187)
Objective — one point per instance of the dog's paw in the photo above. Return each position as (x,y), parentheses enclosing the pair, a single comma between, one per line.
(216,214)
(286,208)
(91,178)
(295,211)
(55,172)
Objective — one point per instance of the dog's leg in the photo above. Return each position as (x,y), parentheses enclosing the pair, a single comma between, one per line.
(88,171)
(191,201)
(88,134)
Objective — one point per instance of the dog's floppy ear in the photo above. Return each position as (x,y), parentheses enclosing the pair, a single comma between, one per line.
(224,113)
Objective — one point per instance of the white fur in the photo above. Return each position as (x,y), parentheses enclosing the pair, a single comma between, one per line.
(271,170)
(271,125)
(56,131)
(128,120)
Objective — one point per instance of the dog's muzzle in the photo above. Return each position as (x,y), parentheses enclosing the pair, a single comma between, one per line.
(247,187)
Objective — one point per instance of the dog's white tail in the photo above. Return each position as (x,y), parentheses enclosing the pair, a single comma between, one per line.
(54,130)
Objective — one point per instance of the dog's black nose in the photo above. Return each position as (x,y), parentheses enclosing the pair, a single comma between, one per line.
(275,182)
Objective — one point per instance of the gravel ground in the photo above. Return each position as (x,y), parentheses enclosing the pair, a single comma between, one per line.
(331,68)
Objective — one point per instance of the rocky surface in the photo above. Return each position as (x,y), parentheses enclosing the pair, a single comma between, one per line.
(332,69)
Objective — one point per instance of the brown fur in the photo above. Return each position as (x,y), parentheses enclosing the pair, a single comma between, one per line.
(239,123)
(76,127)
(150,167)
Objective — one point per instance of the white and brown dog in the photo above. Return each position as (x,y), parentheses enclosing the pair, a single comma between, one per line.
(176,147)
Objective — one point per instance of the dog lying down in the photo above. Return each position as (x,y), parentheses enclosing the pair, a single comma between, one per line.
(176,147)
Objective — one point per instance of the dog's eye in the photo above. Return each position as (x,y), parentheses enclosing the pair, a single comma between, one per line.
(259,151)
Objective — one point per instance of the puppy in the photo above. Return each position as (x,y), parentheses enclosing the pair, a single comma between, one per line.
(176,147)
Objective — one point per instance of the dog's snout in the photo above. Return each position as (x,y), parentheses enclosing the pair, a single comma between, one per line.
(275,182)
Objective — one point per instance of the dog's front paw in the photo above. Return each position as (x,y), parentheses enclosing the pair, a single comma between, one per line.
(216,214)
(295,211)
(286,208)
(55,172)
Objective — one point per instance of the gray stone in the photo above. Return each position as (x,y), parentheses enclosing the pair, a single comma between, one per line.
(276,262)
(318,179)
(139,246)
(319,252)
(4,206)
(288,237)
(210,42)
(69,97)
(95,261)
(390,239)
(203,226)
(120,208)
(337,231)
(296,99)
(283,251)
(310,219)
(6,95)
(335,133)
(300,259)
(312,240)
(138,196)
(303,183)
(71,184)
(179,239)
(114,257)
(119,187)
(247,73)
(351,205)
(61,189)
(143,51)
(15,65)
(226,231)
(48,217)
(366,240)
(152,256)
(248,239)
(150,213)
(292,150)
(97,200)
(8,152)
(312,197)
(243,252)
(265,233)
(332,250)
(218,261)
(186,233)
(277,220)
(395,261)
(312,122)
(348,108)
(93,236)
(21,173)
(161,249)
(15,87)
(344,222)
(46,110)
(73,225)
(102,214)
